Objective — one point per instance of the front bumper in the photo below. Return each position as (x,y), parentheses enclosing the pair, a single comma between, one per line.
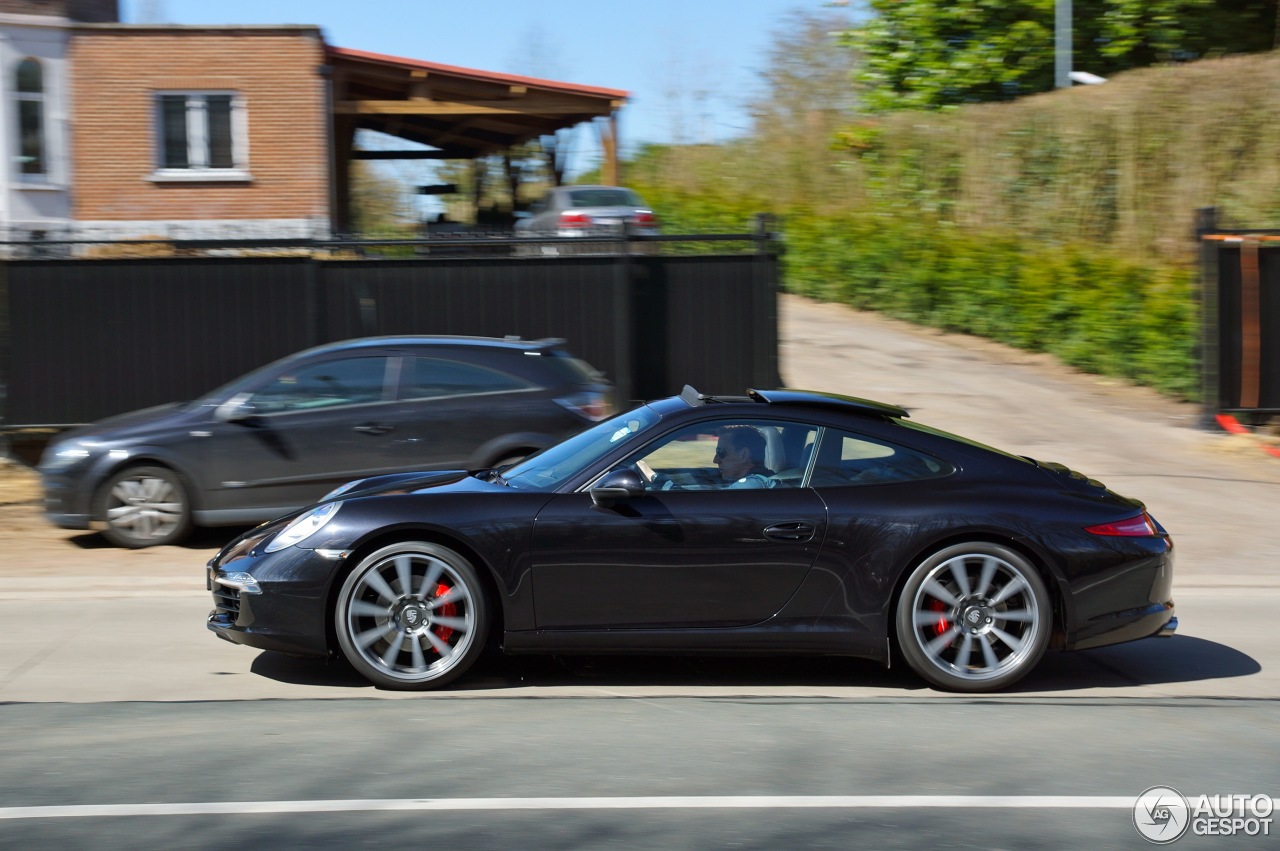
(291,612)
(66,502)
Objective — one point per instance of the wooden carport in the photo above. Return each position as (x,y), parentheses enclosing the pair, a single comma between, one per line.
(460,113)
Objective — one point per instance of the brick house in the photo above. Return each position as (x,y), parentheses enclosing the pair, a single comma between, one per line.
(117,131)
(199,131)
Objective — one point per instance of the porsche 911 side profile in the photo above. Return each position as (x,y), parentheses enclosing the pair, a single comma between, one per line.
(778,522)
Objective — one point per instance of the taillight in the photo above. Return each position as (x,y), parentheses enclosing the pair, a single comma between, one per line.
(1140,526)
(648,220)
(591,405)
(575,220)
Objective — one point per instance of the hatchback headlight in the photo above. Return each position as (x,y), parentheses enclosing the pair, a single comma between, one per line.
(304,526)
(65,456)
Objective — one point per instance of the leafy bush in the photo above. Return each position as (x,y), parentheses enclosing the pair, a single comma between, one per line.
(1090,307)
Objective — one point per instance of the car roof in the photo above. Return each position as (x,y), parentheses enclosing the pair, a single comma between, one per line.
(803,398)
(542,346)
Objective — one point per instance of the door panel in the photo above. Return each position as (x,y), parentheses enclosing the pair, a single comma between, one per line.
(295,458)
(303,431)
(675,559)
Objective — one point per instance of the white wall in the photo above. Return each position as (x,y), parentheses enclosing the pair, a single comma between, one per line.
(27,204)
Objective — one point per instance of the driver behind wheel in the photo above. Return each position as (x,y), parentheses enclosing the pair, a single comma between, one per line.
(740,457)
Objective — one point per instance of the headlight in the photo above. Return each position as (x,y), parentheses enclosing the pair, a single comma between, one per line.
(65,456)
(304,526)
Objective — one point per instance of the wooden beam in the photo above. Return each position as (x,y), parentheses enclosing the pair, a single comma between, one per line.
(437,107)
(410,155)
(608,131)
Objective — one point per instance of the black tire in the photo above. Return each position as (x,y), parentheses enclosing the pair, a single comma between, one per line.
(511,458)
(412,615)
(974,617)
(144,507)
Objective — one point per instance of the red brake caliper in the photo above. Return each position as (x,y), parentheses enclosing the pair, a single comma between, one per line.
(448,610)
(943,624)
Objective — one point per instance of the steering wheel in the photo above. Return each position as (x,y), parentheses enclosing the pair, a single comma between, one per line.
(654,480)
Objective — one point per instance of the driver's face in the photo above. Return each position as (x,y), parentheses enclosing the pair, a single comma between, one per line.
(733,463)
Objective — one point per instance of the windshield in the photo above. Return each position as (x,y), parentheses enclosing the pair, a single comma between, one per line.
(549,468)
(605,198)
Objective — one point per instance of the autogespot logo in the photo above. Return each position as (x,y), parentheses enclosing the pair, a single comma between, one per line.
(1161,814)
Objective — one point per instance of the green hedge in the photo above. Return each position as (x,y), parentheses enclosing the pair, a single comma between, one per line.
(1089,306)
(1092,309)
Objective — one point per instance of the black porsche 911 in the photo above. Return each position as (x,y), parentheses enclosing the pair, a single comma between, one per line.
(783,521)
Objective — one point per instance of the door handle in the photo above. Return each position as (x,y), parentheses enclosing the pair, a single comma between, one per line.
(375,428)
(791,532)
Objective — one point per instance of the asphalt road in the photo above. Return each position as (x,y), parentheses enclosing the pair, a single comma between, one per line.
(124,723)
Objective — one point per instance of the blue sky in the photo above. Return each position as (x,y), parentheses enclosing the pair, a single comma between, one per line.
(688,64)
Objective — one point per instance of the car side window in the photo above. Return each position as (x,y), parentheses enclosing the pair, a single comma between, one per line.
(847,459)
(351,381)
(432,378)
(729,454)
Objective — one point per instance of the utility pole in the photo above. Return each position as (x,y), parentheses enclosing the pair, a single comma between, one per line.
(1062,44)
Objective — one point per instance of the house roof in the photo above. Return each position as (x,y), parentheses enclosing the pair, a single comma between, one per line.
(461,112)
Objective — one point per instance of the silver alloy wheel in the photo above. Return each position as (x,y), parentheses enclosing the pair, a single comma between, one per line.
(974,617)
(411,615)
(145,506)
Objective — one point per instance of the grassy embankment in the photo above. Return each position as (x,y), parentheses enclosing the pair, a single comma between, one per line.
(1060,223)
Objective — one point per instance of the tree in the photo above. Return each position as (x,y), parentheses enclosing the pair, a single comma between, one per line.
(807,73)
(934,53)
(806,96)
(380,204)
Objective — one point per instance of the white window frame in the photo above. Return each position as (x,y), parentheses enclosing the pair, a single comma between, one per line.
(198,168)
(41,98)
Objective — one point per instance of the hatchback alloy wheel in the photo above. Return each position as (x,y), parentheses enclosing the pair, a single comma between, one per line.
(144,507)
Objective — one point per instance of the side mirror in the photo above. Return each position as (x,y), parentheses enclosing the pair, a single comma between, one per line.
(617,485)
(236,409)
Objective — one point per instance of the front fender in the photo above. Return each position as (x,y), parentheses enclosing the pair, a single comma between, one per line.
(141,456)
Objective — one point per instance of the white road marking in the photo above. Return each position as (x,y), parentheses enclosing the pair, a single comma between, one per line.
(619,803)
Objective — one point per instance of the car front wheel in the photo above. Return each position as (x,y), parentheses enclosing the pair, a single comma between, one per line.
(144,507)
(412,616)
(974,617)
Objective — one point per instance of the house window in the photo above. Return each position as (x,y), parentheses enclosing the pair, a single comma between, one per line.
(201,134)
(30,94)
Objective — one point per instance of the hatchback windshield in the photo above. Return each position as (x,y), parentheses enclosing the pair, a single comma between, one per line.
(548,469)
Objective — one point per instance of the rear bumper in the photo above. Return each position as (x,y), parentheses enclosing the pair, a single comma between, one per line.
(1157,619)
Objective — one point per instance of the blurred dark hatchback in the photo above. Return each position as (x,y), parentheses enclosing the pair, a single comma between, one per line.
(284,435)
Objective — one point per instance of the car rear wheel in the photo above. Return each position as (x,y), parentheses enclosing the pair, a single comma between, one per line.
(144,507)
(974,617)
(412,616)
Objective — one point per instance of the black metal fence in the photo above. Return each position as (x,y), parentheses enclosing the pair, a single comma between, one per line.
(84,338)
(1240,271)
